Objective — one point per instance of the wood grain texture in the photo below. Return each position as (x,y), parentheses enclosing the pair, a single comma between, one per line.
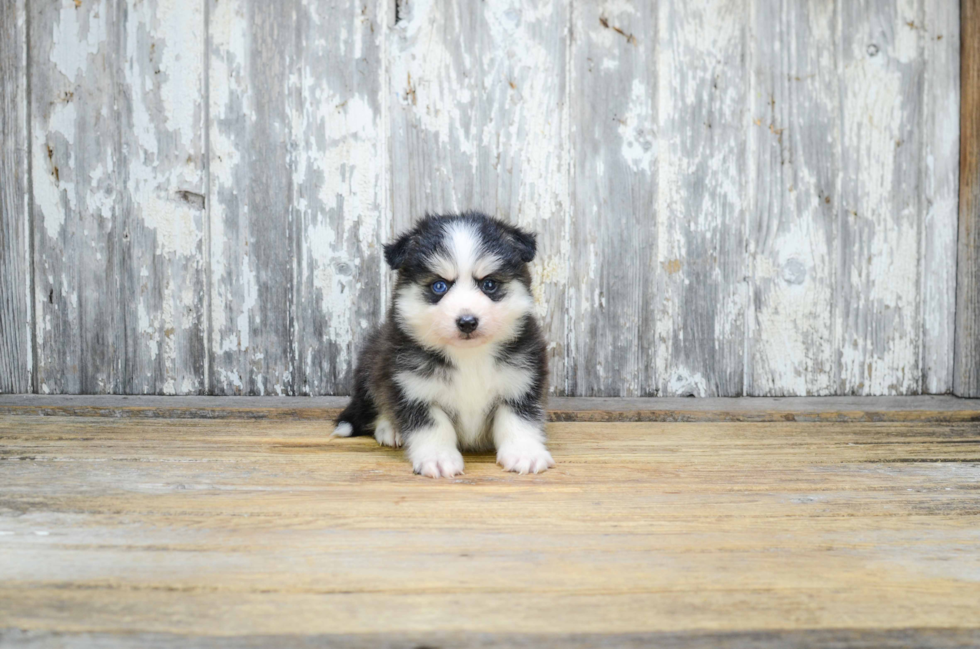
(117,128)
(613,294)
(232,528)
(879,286)
(769,639)
(702,121)
(938,167)
(794,169)
(297,172)
(479,120)
(966,374)
(16,355)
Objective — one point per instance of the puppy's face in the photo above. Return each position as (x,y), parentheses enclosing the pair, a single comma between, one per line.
(462,280)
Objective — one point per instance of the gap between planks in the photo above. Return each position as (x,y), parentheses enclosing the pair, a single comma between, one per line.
(939,408)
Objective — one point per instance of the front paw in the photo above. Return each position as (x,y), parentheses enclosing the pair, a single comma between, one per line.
(441,464)
(525,457)
(386,435)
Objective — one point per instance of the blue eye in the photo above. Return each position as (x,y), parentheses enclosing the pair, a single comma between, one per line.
(489,286)
(439,287)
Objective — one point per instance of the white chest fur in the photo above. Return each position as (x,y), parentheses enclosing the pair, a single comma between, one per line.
(469,391)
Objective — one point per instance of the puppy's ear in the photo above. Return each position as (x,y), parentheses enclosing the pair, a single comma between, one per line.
(526,244)
(396,253)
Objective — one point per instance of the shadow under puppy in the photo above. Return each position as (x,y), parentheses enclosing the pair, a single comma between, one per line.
(460,361)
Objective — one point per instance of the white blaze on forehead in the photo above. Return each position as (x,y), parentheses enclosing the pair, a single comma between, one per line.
(443,267)
(465,256)
(485,266)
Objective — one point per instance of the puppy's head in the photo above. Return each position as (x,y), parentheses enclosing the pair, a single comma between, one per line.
(463,280)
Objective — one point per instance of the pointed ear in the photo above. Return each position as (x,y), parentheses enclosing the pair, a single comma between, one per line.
(397,252)
(526,244)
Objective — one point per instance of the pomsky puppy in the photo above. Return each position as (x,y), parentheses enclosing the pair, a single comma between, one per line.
(460,362)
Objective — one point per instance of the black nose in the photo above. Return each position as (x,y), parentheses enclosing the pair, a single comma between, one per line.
(467,323)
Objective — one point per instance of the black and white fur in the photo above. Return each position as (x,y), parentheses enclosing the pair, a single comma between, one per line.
(435,382)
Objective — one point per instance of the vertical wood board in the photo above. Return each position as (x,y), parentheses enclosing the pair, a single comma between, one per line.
(938,164)
(794,168)
(339,127)
(701,210)
(879,284)
(252,234)
(612,287)
(966,374)
(16,362)
(118,187)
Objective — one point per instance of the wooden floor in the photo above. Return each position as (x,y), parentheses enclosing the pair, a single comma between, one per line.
(196,532)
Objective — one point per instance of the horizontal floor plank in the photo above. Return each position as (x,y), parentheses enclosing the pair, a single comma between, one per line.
(783,639)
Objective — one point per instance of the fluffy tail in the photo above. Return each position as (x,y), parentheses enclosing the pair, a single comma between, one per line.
(359,415)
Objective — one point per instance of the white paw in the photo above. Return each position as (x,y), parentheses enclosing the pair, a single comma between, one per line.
(386,434)
(343,429)
(439,464)
(525,456)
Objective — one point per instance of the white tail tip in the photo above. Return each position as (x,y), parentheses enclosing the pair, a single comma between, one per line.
(343,429)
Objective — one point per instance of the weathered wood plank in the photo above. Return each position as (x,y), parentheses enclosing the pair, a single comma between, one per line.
(761,409)
(939,32)
(297,192)
(251,197)
(612,291)
(966,373)
(879,329)
(769,639)
(118,184)
(703,121)
(339,132)
(794,169)
(211,528)
(16,320)
(479,120)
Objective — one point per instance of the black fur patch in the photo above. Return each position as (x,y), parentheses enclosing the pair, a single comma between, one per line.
(410,252)
(528,351)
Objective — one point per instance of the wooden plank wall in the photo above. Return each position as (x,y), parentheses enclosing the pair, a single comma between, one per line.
(732,196)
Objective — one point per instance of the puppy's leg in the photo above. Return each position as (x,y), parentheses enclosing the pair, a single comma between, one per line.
(520,442)
(385,432)
(432,447)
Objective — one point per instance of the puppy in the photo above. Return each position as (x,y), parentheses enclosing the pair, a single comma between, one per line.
(460,362)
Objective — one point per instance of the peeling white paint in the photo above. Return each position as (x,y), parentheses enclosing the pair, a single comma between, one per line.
(639,147)
(701,97)
(789,329)
(54,189)
(877,332)
(250,297)
(76,36)
(491,130)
